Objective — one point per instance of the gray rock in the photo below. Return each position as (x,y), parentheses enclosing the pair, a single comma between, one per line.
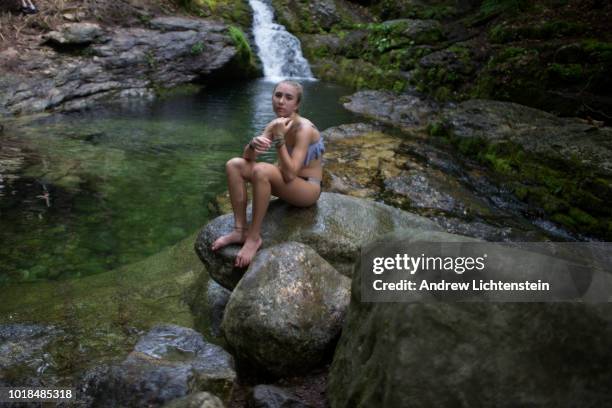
(130,61)
(421,194)
(315,43)
(543,134)
(197,400)
(349,130)
(446,59)
(286,312)
(472,354)
(23,350)
(325,12)
(407,110)
(217,297)
(335,227)
(169,362)
(75,34)
(419,31)
(269,396)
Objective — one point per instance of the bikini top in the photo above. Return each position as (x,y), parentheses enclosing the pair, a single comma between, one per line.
(315,151)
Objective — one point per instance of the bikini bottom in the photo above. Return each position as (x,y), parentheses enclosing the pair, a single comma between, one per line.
(312,180)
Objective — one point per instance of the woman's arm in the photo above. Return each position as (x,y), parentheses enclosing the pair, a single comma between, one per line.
(259,144)
(255,147)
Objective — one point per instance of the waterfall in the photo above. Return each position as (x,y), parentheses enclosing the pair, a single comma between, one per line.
(279,50)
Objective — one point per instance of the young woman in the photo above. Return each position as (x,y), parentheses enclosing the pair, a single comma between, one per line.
(296,178)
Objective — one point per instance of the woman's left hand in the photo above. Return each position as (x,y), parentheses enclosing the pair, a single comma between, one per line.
(281,126)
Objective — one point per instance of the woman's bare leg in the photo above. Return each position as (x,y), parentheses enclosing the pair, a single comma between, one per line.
(267,179)
(238,172)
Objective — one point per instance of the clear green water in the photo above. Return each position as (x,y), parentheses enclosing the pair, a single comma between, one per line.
(93,191)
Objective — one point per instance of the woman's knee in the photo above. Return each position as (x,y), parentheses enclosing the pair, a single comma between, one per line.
(261,171)
(235,164)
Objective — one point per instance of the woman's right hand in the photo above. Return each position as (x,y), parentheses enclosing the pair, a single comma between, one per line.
(261,144)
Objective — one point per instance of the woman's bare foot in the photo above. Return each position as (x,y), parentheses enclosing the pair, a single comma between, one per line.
(237,236)
(246,254)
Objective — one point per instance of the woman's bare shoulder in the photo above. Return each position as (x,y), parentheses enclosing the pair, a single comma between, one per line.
(309,129)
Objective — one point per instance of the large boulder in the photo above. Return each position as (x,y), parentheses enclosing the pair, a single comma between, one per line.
(406,110)
(335,228)
(553,139)
(168,363)
(122,62)
(286,312)
(471,354)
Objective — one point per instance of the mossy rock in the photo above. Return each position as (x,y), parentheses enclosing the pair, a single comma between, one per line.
(360,74)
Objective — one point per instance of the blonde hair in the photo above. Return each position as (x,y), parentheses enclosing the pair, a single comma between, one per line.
(296,85)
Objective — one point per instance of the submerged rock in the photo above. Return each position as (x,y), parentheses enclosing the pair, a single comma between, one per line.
(286,312)
(472,354)
(169,362)
(335,228)
(24,359)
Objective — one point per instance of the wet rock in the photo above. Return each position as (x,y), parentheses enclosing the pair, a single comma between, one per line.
(75,34)
(269,396)
(355,163)
(515,232)
(411,174)
(24,359)
(420,193)
(406,110)
(169,362)
(130,61)
(325,12)
(349,130)
(472,354)
(217,297)
(286,312)
(197,400)
(335,228)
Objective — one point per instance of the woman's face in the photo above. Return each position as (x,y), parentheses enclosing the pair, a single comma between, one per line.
(285,100)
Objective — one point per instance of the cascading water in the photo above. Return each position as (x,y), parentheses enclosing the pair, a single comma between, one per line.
(279,50)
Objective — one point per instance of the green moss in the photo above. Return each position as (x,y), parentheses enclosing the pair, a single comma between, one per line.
(563,219)
(490,7)
(599,51)
(197,48)
(567,72)
(394,9)
(565,191)
(582,217)
(437,129)
(244,54)
(546,30)
(359,74)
